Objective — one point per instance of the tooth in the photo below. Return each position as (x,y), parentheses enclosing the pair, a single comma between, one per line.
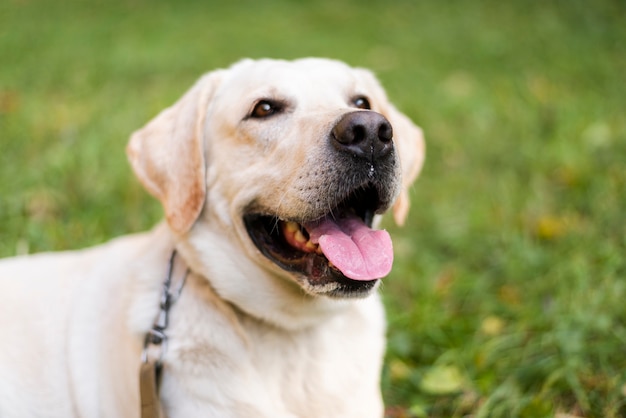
(291,227)
(299,236)
(310,246)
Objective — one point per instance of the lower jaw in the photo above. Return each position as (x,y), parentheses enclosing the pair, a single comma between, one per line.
(342,290)
(316,276)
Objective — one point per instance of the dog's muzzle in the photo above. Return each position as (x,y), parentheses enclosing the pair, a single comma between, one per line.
(334,247)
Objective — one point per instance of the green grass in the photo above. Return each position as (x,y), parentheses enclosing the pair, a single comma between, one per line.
(508,297)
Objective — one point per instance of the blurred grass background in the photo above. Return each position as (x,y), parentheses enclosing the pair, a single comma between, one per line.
(508,296)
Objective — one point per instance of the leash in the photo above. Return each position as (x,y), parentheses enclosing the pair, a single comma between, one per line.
(155,346)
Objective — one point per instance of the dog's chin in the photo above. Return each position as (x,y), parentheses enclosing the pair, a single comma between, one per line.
(286,244)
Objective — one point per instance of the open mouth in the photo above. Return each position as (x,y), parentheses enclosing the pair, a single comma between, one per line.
(340,248)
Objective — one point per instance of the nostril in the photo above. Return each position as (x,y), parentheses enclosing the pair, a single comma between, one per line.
(358,133)
(385,132)
(348,133)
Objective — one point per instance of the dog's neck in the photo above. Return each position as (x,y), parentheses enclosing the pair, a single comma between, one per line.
(275,300)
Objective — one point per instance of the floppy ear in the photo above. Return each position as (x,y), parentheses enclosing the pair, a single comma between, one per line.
(409,142)
(167,155)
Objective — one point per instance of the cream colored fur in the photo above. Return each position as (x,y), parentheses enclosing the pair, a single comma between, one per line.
(246,338)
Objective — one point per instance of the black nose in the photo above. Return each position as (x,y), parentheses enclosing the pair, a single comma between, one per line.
(365,134)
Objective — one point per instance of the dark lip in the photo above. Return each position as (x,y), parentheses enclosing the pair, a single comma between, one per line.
(265,232)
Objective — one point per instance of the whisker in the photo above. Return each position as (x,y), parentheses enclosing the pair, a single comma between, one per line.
(275,228)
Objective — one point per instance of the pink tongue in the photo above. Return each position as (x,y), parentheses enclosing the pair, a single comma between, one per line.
(358,251)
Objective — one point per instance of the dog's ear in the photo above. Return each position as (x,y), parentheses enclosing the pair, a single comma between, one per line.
(167,155)
(409,142)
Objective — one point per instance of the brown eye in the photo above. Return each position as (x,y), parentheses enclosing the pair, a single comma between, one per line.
(361,102)
(264,108)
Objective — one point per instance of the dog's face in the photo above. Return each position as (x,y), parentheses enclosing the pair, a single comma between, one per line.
(290,164)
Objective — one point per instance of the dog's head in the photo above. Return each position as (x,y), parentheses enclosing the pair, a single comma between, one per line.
(285,167)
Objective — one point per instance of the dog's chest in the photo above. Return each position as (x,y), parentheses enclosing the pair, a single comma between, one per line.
(329,370)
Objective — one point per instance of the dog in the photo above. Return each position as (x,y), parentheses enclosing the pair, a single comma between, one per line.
(273,176)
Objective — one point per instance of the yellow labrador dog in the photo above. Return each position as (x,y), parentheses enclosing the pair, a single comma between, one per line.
(273,176)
